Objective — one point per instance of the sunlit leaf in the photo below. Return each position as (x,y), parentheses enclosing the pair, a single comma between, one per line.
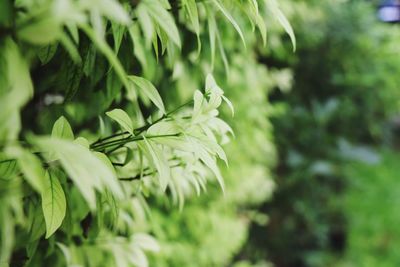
(62,129)
(30,166)
(283,21)
(82,141)
(146,242)
(226,13)
(163,19)
(114,11)
(145,23)
(53,202)
(149,90)
(86,171)
(41,32)
(164,127)
(122,118)
(209,161)
(111,184)
(160,162)
(18,90)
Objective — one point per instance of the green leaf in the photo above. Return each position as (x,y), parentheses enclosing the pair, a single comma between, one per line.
(198,100)
(118,33)
(37,223)
(208,160)
(82,141)
(163,19)
(146,242)
(129,156)
(149,90)
(71,79)
(216,39)
(212,86)
(86,171)
(66,252)
(212,30)
(53,202)
(62,129)
(138,47)
(224,11)
(163,37)
(283,21)
(41,32)
(16,91)
(89,62)
(111,184)
(122,118)
(191,9)
(8,168)
(70,47)
(113,10)
(257,19)
(46,53)
(146,23)
(6,13)
(160,162)
(230,105)
(113,87)
(73,30)
(163,128)
(30,166)
(104,48)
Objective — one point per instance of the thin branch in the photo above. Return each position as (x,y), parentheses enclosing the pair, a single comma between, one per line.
(117,164)
(131,139)
(139,175)
(108,138)
(137,131)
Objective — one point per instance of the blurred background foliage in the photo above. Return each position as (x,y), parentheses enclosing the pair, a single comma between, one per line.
(342,105)
(372,217)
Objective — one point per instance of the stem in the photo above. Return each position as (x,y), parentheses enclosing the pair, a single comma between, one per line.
(180,107)
(108,138)
(147,126)
(114,149)
(131,139)
(117,164)
(99,143)
(137,176)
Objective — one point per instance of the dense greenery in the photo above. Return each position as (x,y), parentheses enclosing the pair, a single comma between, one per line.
(178,133)
(344,91)
(211,229)
(373,189)
(105,132)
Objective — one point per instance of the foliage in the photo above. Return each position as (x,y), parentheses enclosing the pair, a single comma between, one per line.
(96,68)
(343,92)
(372,188)
(215,227)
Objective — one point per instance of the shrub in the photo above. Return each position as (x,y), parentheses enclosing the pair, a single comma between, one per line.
(80,196)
